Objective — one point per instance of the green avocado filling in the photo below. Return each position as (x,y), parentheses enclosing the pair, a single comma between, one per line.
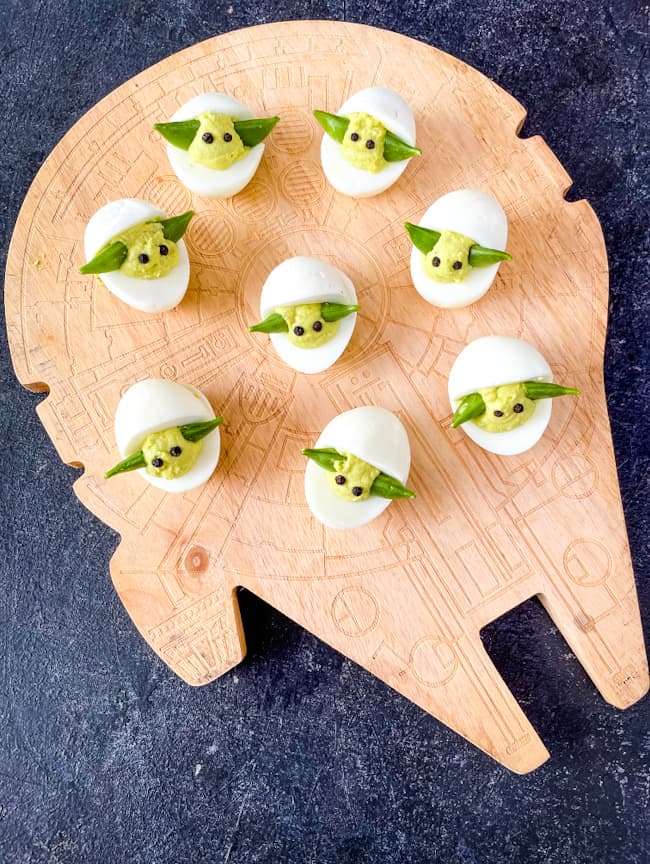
(216,144)
(448,261)
(150,254)
(307,329)
(363,143)
(169,455)
(506,408)
(352,478)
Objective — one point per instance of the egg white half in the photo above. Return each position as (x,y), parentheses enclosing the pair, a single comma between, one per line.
(474,214)
(373,434)
(154,405)
(200,179)
(302,280)
(392,111)
(490,362)
(147,295)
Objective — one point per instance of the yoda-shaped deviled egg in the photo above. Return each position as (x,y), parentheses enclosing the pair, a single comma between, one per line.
(358,465)
(368,143)
(457,248)
(215,144)
(308,308)
(168,432)
(139,254)
(501,391)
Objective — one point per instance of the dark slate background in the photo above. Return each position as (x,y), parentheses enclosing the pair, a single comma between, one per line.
(298,755)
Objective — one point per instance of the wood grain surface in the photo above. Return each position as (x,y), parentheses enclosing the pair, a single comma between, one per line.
(407,596)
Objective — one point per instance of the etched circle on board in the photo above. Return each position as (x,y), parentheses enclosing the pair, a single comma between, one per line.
(294,134)
(575,476)
(210,235)
(355,611)
(587,562)
(168,194)
(303,183)
(254,203)
(433,661)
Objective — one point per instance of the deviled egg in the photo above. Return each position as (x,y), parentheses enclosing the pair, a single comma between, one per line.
(309,310)
(367,145)
(500,390)
(457,248)
(168,433)
(215,144)
(139,253)
(358,465)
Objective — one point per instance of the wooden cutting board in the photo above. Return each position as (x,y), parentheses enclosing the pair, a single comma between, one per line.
(407,596)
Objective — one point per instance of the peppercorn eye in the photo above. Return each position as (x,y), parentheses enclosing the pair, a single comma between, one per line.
(143,258)
(227,137)
(517,407)
(370,144)
(457,265)
(354,136)
(298,330)
(435,261)
(208,137)
(339,480)
(498,413)
(157,462)
(175,451)
(164,250)
(317,326)
(357,491)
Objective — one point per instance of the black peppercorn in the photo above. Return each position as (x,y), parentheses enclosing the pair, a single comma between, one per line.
(227,137)
(457,265)
(356,491)
(518,408)
(208,137)
(354,136)
(298,330)
(339,480)
(176,451)
(435,261)
(143,258)
(370,144)
(498,413)
(317,326)
(164,250)
(157,462)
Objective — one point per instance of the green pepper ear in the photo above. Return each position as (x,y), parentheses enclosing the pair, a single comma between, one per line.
(180,133)
(396,150)
(325,457)
(253,132)
(109,259)
(131,463)
(423,239)
(273,324)
(334,125)
(176,226)
(546,390)
(481,256)
(470,407)
(335,311)
(196,431)
(390,487)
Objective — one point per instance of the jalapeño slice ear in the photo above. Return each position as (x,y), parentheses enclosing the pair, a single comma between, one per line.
(547,390)
(131,463)
(110,258)
(181,133)
(395,150)
(470,406)
(273,324)
(424,239)
(197,431)
(175,226)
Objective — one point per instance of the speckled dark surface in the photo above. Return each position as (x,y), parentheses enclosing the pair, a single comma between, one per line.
(298,755)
